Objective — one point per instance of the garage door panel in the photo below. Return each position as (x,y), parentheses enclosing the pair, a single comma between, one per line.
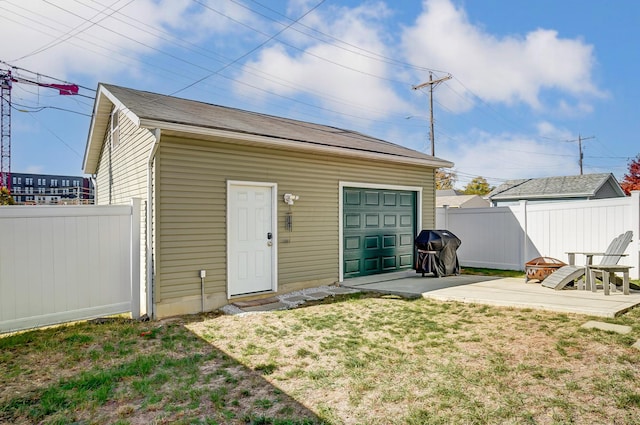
(352,221)
(372,220)
(371,198)
(351,197)
(352,267)
(406,239)
(407,221)
(389,241)
(390,199)
(351,242)
(407,200)
(390,220)
(371,265)
(379,229)
(389,263)
(406,260)
(371,242)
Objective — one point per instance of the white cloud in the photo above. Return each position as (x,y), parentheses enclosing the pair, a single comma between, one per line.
(342,81)
(550,131)
(512,156)
(100,40)
(508,69)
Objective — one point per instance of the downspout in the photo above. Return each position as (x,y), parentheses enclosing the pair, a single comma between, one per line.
(149,257)
(94,181)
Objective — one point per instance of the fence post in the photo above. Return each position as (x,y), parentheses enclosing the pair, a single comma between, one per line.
(446,217)
(634,254)
(522,218)
(135,257)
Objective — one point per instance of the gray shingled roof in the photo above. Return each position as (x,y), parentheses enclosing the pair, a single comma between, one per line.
(157,108)
(551,187)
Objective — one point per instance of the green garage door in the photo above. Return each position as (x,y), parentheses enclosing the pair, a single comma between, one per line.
(379,229)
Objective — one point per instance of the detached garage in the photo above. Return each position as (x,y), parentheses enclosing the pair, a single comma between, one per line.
(240,205)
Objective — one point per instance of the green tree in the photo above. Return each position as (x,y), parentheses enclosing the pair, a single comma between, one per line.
(445,179)
(5,197)
(631,180)
(478,186)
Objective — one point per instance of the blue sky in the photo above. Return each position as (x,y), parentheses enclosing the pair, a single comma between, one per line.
(528,77)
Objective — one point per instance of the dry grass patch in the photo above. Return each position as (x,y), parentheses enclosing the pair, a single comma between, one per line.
(359,359)
(385,360)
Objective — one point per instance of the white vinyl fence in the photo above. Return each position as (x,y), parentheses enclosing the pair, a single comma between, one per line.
(508,237)
(66,263)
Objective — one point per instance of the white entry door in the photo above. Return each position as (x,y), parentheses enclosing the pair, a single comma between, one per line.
(251,237)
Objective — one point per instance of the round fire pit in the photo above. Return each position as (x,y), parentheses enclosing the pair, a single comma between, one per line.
(541,267)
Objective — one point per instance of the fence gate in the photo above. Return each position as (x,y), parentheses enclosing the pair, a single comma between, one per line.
(66,263)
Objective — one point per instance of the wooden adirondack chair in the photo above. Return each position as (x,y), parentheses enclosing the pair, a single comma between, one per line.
(609,263)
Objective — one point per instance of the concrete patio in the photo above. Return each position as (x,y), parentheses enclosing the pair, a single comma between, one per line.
(506,292)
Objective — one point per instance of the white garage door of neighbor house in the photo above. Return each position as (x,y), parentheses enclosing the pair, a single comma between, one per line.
(250,238)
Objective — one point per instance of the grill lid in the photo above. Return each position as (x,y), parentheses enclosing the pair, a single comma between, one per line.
(437,240)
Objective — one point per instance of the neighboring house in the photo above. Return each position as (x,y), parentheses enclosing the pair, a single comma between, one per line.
(455,199)
(553,189)
(47,189)
(243,205)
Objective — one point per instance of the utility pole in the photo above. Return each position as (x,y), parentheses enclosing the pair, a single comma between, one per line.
(581,155)
(432,84)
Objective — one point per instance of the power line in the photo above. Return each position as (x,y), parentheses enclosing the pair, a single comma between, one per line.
(255,49)
(68,34)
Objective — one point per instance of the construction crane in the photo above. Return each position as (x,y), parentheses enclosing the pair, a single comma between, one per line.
(6,81)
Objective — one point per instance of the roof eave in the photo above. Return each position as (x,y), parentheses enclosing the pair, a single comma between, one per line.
(97,129)
(247,138)
(551,196)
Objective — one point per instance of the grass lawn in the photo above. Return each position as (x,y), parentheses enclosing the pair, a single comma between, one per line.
(359,359)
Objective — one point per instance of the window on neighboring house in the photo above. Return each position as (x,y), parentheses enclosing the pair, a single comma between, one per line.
(41,190)
(54,182)
(19,180)
(54,191)
(14,181)
(115,129)
(28,189)
(40,182)
(16,189)
(28,180)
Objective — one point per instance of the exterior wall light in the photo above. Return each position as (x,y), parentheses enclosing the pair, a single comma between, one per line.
(289,198)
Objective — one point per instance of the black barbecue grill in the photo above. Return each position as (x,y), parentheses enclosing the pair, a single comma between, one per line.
(437,253)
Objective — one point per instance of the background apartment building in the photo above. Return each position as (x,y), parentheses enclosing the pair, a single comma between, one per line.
(46,189)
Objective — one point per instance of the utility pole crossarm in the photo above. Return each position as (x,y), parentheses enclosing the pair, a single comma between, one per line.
(431,83)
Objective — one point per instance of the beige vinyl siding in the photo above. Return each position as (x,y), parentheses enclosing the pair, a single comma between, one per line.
(122,175)
(122,170)
(191,209)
